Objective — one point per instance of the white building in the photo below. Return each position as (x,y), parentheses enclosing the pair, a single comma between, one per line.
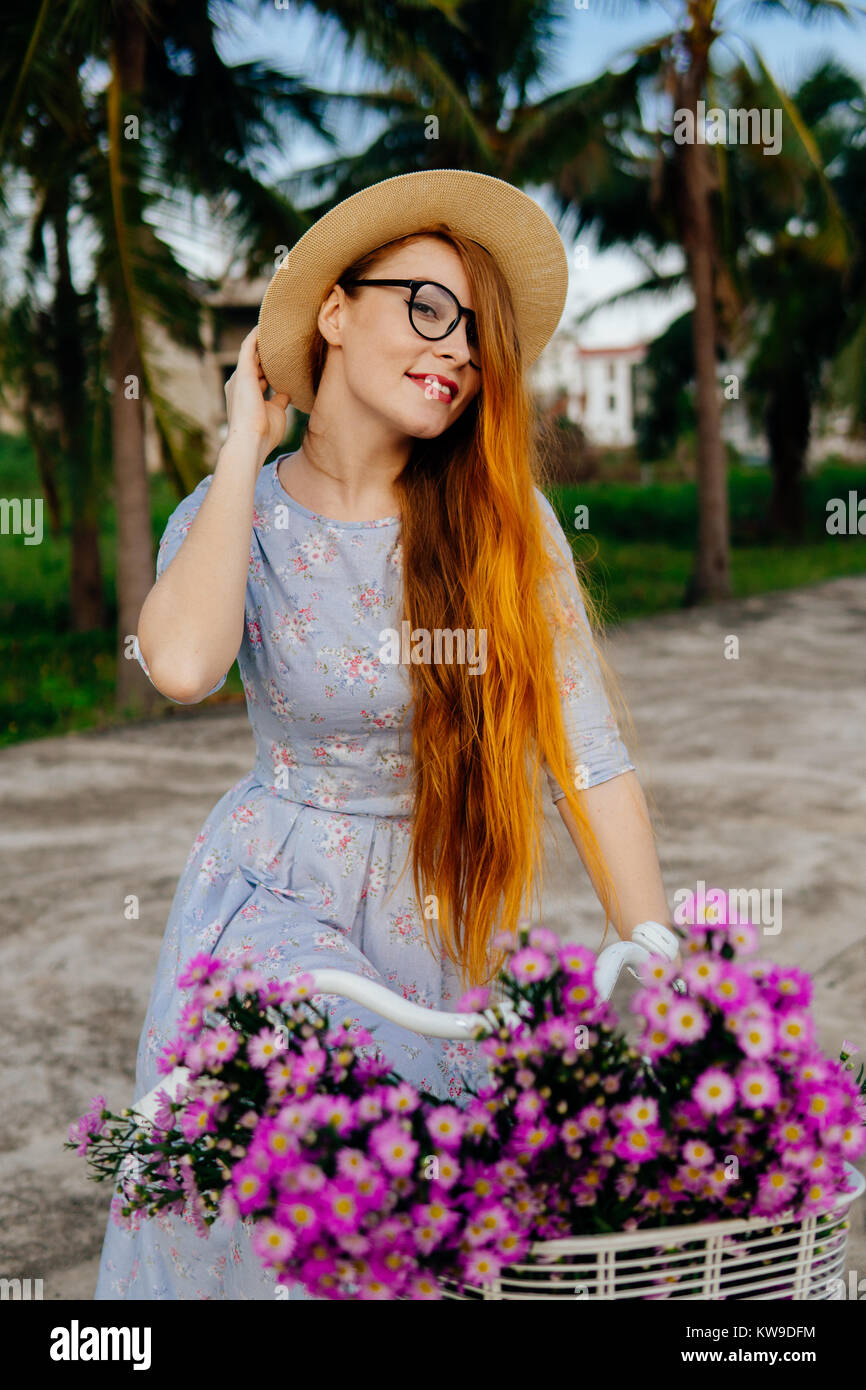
(597,389)
(595,386)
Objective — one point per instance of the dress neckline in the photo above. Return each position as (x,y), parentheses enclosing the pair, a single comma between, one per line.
(317,516)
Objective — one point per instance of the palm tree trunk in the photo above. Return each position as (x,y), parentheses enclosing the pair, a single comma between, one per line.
(86,599)
(135,571)
(711,577)
(787,420)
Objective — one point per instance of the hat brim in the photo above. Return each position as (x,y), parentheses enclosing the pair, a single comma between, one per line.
(514,229)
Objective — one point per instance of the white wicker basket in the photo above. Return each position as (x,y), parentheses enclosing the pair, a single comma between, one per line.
(776,1258)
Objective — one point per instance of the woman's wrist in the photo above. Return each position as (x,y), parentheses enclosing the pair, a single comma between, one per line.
(245,446)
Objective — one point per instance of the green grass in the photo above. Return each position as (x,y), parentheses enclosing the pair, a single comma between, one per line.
(640,541)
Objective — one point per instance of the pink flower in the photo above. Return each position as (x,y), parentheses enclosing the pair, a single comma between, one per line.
(775,1189)
(743,937)
(700,971)
(529,965)
(298,1215)
(250,1188)
(577,996)
(756,1035)
(395,1149)
(264,1047)
(216,992)
(339,1206)
(641,1111)
(795,1030)
(533,1136)
(758,1085)
(792,987)
(402,1099)
(474,1000)
(697,1153)
(591,1119)
(702,914)
(822,1105)
(196,1119)
(198,969)
(446,1125)
(89,1126)
(732,988)
(191,1021)
(714,1091)
(687,1021)
(273,1243)
(172,1056)
(481,1267)
(577,960)
(544,939)
(220,1045)
(638,1143)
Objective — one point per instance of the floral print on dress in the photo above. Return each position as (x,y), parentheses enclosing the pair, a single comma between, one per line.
(304,860)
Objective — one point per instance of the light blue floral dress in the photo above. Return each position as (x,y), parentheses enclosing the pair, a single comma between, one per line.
(305,859)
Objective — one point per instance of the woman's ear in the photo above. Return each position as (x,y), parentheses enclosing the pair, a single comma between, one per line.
(330,319)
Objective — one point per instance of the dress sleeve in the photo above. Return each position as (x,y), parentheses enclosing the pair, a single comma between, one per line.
(590,726)
(173,536)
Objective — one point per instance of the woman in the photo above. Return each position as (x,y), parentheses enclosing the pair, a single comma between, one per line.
(357,580)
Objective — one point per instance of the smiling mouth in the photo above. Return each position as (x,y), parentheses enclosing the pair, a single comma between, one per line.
(433,388)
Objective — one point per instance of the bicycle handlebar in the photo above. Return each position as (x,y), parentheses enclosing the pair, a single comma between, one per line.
(647,939)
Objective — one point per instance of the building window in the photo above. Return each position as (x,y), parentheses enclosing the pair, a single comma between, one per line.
(611,403)
(611,371)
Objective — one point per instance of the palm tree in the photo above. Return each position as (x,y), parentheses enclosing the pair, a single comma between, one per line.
(686,181)
(793,272)
(194,122)
(804,279)
(591,147)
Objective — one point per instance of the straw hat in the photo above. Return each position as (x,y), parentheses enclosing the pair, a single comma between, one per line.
(514,229)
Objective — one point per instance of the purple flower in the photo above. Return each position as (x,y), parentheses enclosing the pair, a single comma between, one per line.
(89,1126)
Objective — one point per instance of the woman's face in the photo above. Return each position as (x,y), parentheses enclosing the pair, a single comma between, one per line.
(384,363)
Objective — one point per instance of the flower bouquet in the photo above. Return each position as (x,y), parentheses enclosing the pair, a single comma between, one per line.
(357,1184)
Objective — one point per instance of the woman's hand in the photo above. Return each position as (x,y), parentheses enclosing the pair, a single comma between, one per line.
(247,410)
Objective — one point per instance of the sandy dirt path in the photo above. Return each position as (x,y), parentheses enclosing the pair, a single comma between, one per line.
(757,766)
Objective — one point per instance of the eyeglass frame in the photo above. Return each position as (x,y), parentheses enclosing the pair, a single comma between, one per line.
(415,286)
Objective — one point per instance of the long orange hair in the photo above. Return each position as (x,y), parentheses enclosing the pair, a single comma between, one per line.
(474,557)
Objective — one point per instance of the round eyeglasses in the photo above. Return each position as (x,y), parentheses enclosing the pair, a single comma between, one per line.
(434,311)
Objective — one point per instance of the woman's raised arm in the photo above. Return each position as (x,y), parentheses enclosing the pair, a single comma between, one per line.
(191,623)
